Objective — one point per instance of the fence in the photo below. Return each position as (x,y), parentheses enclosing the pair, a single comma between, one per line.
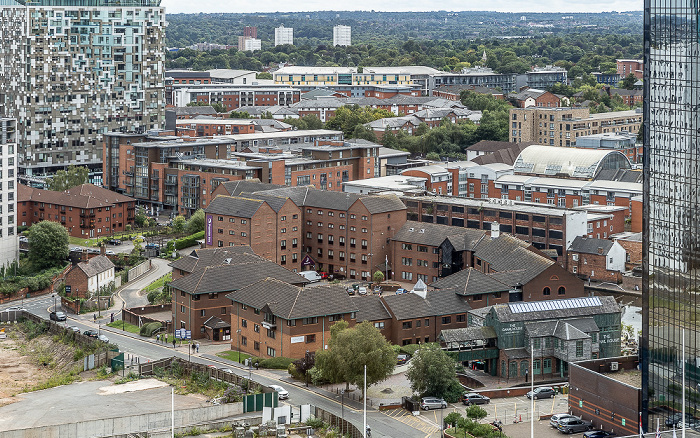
(148,369)
(351,395)
(134,314)
(138,270)
(346,427)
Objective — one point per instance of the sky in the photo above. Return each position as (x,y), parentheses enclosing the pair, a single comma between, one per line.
(186,6)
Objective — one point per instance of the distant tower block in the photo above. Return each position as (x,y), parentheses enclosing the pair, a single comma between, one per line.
(342,35)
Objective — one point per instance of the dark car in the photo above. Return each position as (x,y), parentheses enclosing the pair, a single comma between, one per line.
(350,291)
(402,358)
(152,246)
(542,392)
(573,425)
(597,434)
(91,333)
(57,316)
(676,418)
(472,398)
(114,242)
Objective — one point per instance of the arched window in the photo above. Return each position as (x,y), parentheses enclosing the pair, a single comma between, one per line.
(546,291)
(561,290)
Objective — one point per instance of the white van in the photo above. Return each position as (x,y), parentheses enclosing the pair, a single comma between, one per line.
(312,276)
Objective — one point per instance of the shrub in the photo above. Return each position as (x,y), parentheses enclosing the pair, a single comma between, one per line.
(188,241)
(410,349)
(276,363)
(292,370)
(315,423)
(149,329)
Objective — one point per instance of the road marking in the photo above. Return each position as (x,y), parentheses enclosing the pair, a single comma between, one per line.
(416,422)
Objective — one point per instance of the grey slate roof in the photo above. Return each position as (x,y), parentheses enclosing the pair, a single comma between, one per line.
(296,194)
(235,188)
(95,265)
(291,302)
(275,202)
(191,110)
(423,233)
(330,200)
(199,258)
(566,329)
(516,353)
(234,206)
(507,253)
(216,323)
(607,305)
(382,204)
(505,154)
(471,282)
(227,278)
(464,334)
(437,302)
(586,245)
(370,308)
(622,175)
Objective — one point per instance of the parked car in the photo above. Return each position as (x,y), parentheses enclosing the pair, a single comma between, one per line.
(152,246)
(362,290)
(350,291)
(402,358)
(93,251)
(691,423)
(400,291)
(282,393)
(472,398)
(103,338)
(75,329)
(57,316)
(378,290)
(324,275)
(14,309)
(76,249)
(573,425)
(110,252)
(114,242)
(597,434)
(91,333)
(556,418)
(676,418)
(542,392)
(428,403)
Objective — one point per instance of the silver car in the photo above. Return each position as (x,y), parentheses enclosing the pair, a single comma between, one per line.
(428,403)
(556,418)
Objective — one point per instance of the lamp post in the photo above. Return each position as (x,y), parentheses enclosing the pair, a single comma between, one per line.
(342,412)
(238,334)
(306,368)
(54,302)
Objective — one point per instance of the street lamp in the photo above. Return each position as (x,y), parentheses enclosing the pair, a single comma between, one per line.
(238,334)
(54,302)
(306,368)
(342,411)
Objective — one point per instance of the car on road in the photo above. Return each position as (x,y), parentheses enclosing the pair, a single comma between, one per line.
(428,403)
(573,425)
(91,333)
(76,249)
(400,291)
(472,398)
(402,358)
(281,392)
(110,252)
(114,242)
(93,251)
(57,316)
(362,290)
(676,418)
(74,328)
(556,418)
(597,434)
(103,338)
(15,309)
(541,392)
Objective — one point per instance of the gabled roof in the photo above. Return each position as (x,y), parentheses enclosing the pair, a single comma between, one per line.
(232,255)
(465,334)
(508,253)
(382,204)
(75,199)
(235,188)
(500,152)
(436,302)
(275,202)
(95,265)
(234,206)
(228,278)
(585,245)
(292,302)
(567,329)
(371,308)
(216,323)
(296,194)
(423,233)
(470,281)
(100,193)
(330,200)
(190,110)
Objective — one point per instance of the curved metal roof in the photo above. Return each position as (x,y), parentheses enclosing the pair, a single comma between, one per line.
(574,162)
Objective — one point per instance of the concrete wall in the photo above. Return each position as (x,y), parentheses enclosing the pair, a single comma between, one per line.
(138,270)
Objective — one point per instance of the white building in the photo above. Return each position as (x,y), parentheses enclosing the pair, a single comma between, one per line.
(341,35)
(252,44)
(8,183)
(284,35)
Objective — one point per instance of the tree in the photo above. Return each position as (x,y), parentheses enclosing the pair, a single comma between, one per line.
(432,373)
(453,418)
(349,350)
(64,180)
(476,413)
(264,74)
(378,276)
(140,219)
(364,133)
(628,82)
(305,364)
(196,222)
(48,244)
(433,156)
(179,224)
(239,115)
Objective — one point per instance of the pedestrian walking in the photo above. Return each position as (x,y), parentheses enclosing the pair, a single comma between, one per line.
(157,338)
(111,317)
(94,317)
(197,345)
(173,342)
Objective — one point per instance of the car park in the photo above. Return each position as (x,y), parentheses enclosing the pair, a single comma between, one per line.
(541,392)
(556,418)
(472,398)
(362,290)
(402,358)
(573,425)
(428,403)
(57,316)
(91,333)
(597,434)
(282,393)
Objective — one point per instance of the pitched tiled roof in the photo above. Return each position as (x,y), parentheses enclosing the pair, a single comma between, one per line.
(100,193)
(370,308)
(95,265)
(330,200)
(567,329)
(275,202)
(471,282)
(190,110)
(464,334)
(585,245)
(437,302)
(29,194)
(506,155)
(216,323)
(234,206)
(423,233)
(508,253)
(291,302)
(382,204)
(235,188)
(228,278)
(296,194)
(232,255)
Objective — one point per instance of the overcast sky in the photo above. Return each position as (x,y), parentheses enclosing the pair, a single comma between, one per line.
(187,6)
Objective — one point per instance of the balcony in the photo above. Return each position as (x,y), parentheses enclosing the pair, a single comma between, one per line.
(269,325)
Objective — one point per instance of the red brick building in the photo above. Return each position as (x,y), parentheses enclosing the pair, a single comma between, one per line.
(627,66)
(86,278)
(201,258)
(86,211)
(596,259)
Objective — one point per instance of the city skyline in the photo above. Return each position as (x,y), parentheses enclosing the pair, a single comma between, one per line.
(210,6)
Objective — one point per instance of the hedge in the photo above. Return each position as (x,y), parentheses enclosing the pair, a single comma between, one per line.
(276,363)
(188,241)
(149,328)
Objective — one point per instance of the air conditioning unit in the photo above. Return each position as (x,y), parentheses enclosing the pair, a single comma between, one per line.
(614,366)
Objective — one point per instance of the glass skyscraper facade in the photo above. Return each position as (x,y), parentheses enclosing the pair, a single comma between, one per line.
(671,281)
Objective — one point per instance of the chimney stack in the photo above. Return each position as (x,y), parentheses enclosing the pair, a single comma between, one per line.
(495,230)
(103,249)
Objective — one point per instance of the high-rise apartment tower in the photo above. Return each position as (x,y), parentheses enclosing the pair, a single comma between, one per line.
(342,35)
(284,35)
(72,70)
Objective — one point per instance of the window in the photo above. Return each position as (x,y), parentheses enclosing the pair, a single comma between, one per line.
(244,340)
(244,323)
(536,343)
(308,321)
(223,310)
(461,318)
(407,275)
(594,337)
(422,248)
(407,246)
(256,345)
(406,261)
(427,322)
(270,351)
(270,333)
(446,319)
(407,325)
(291,323)
(561,290)
(335,317)
(310,339)
(256,328)
(579,348)
(379,325)
(546,291)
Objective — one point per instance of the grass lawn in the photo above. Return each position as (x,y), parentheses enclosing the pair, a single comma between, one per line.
(75,241)
(234,356)
(131,328)
(160,282)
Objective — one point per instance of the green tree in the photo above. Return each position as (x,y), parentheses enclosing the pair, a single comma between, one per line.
(179,224)
(64,180)
(453,418)
(218,107)
(48,244)
(348,117)
(239,115)
(141,219)
(432,373)
(628,82)
(196,222)
(263,74)
(378,276)
(364,133)
(309,121)
(351,349)
(476,413)
(433,156)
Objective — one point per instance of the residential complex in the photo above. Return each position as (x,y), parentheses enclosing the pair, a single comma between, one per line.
(284,35)
(9,250)
(342,35)
(106,74)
